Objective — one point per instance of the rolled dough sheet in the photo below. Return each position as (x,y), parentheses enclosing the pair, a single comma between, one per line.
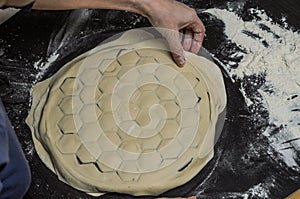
(124,118)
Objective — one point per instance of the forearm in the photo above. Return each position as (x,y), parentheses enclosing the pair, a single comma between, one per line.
(128,5)
(167,14)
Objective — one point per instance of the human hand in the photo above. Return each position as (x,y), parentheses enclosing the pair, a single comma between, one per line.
(169,15)
(175,18)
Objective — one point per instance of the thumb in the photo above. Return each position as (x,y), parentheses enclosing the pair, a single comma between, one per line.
(174,42)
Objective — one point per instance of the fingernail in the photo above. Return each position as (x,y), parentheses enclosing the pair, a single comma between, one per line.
(181,61)
(196,37)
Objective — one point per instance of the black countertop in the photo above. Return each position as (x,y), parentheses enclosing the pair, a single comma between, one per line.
(243,156)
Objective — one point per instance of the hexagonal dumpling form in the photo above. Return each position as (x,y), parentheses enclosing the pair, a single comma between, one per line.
(124,118)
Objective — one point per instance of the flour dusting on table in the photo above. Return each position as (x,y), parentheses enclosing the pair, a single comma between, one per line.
(272,51)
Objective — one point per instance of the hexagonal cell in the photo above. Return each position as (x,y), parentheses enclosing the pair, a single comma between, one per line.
(119,113)
(122,93)
(94,149)
(192,120)
(200,89)
(164,143)
(149,162)
(90,132)
(83,156)
(193,80)
(170,129)
(161,56)
(68,144)
(164,93)
(71,86)
(131,76)
(113,137)
(129,59)
(146,60)
(89,76)
(103,168)
(131,146)
(171,108)
(107,83)
(130,128)
(195,143)
(69,124)
(151,143)
(90,95)
(163,74)
(105,103)
(189,99)
(134,110)
(112,69)
(123,136)
(129,167)
(128,177)
(135,96)
(90,113)
(148,133)
(182,83)
(186,136)
(177,149)
(110,159)
(148,68)
(146,79)
(149,87)
(146,99)
(97,95)
(106,144)
(104,63)
(128,156)
(107,122)
(143,117)
(122,51)
(70,105)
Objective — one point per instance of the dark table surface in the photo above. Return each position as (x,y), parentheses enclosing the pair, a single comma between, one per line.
(243,156)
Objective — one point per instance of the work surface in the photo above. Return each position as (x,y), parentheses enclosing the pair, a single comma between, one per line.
(34,45)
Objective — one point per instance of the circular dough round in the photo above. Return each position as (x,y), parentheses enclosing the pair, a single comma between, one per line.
(124,118)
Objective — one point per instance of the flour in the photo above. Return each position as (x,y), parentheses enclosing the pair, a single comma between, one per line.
(258,190)
(273,51)
(43,66)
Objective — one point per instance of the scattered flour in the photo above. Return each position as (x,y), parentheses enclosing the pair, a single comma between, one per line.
(42,66)
(275,52)
(258,191)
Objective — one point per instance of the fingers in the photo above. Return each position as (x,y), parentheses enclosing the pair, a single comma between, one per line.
(199,31)
(174,41)
(196,45)
(194,36)
(188,40)
(176,18)
(191,42)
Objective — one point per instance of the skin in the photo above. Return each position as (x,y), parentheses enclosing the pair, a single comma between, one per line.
(168,14)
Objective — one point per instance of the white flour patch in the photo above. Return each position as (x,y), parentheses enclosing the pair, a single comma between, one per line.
(275,52)
(43,66)
(258,190)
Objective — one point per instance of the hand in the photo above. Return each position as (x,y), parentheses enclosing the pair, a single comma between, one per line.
(175,17)
(171,15)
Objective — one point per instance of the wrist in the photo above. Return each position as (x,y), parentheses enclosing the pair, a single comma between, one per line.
(144,7)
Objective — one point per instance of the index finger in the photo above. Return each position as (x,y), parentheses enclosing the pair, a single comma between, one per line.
(175,47)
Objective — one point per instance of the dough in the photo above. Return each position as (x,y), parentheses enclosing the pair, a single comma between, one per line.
(124,118)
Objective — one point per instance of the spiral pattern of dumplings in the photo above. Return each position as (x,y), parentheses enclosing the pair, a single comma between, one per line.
(143,111)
